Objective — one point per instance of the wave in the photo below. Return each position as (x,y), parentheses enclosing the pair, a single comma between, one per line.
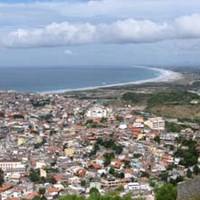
(164,76)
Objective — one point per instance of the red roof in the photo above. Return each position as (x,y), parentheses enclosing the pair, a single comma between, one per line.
(5,186)
(31,195)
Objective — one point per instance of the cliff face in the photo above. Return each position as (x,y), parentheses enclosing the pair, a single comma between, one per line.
(189,190)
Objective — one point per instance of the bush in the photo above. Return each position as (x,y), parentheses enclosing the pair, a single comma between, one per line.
(174,127)
(95,195)
(190,155)
(172,98)
(1,177)
(131,97)
(166,192)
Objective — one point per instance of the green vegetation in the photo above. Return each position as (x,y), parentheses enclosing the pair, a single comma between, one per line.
(40,103)
(103,120)
(172,98)
(95,195)
(119,118)
(115,173)
(164,176)
(92,124)
(189,173)
(196,170)
(166,192)
(108,144)
(175,104)
(41,193)
(193,120)
(46,116)
(157,139)
(174,127)
(136,98)
(39,198)
(188,153)
(35,177)
(108,157)
(1,177)
(180,112)
(51,170)
(40,144)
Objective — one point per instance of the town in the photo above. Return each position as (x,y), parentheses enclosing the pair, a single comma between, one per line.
(53,145)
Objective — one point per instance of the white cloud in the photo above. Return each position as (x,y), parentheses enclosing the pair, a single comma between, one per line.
(68,52)
(121,31)
(44,11)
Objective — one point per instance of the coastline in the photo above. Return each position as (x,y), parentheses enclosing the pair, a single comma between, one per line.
(166,76)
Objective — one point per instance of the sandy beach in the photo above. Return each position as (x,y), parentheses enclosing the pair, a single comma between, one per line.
(165,76)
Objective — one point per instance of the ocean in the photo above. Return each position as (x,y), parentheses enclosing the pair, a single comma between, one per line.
(55,79)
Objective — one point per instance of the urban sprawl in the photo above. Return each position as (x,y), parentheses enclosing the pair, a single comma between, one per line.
(61,145)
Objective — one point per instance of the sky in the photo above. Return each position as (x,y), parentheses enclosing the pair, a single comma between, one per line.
(99,32)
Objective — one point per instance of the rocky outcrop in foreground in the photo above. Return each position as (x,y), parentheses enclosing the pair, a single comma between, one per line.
(189,190)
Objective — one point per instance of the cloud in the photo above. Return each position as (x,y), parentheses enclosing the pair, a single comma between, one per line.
(120,31)
(36,10)
(68,52)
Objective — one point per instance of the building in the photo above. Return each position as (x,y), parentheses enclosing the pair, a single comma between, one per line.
(12,166)
(156,123)
(97,111)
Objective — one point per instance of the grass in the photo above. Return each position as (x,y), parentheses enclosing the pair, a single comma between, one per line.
(172,104)
(190,112)
(172,98)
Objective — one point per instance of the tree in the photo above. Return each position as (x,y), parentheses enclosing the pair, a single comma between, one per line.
(42,191)
(40,198)
(1,177)
(157,139)
(132,97)
(166,192)
(83,183)
(34,175)
(190,155)
(36,198)
(118,149)
(164,176)
(72,197)
(112,171)
(127,164)
(196,170)
(121,175)
(189,173)
(94,190)
(177,180)
(94,194)
(108,158)
(103,120)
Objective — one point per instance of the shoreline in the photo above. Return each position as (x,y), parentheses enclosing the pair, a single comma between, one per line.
(166,76)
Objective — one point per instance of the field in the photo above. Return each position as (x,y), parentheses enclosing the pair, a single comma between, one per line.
(177,111)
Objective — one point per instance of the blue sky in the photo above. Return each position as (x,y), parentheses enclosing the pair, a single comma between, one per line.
(99,32)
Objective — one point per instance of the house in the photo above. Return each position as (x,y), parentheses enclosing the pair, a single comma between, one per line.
(114,183)
(5,187)
(69,152)
(31,195)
